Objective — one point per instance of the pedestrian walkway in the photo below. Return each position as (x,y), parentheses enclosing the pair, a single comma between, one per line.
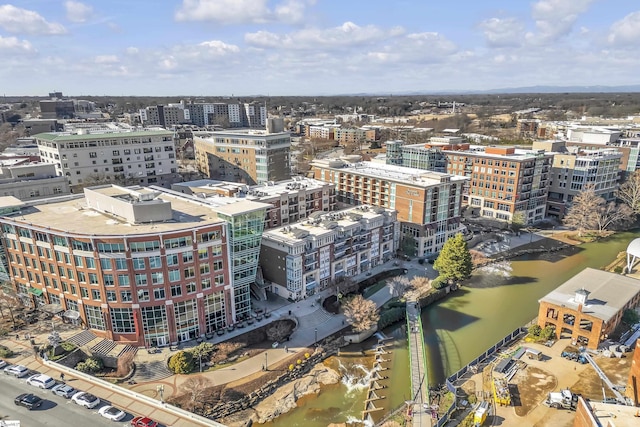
(421,411)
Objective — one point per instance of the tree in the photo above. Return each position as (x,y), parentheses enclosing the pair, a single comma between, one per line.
(277,331)
(361,313)
(202,350)
(410,289)
(196,388)
(629,192)
(181,362)
(630,317)
(613,215)
(408,244)
(10,302)
(454,262)
(581,213)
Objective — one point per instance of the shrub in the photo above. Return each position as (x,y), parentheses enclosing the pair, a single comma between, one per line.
(547,333)
(535,330)
(298,361)
(5,352)
(291,367)
(68,346)
(181,363)
(618,269)
(91,365)
(439,282)
(307,355)
(391,316)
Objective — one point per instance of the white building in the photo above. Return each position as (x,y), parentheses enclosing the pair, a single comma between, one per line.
(300,259)
(145,157)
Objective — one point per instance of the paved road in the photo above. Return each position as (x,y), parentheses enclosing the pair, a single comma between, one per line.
(56,411)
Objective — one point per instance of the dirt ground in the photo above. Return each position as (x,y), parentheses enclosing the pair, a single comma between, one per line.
(590,385)
(531,386)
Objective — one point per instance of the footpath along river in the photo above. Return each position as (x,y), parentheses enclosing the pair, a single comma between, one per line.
(460,327)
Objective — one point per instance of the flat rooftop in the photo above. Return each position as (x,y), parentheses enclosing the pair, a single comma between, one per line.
(69,136)
(401,174)
(253,192)
(616,415)
(72,215)
(608,292)
(321,223)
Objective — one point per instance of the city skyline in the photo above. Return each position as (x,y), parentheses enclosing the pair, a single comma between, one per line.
(307,47)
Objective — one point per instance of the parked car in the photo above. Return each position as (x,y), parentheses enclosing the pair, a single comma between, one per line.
(28,400)
(64,390)
(112,413)
(41,380)
(85,399)
(2,363)
(143,422)
(17,371)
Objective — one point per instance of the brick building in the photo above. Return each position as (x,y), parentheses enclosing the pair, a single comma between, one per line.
(589,306)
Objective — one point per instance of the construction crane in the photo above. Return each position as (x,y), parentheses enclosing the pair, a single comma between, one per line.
(619,397)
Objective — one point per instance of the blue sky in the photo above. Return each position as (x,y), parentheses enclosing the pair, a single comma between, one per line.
(307,47)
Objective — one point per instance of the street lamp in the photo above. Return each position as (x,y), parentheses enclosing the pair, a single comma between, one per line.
(160,389)
(315,330)
(200,360)
(266,363)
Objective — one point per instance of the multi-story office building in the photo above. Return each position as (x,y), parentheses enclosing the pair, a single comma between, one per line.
(145,157)
(428,203)
(571,173)
(300,259)
(247,156)
(419,156)
(29,180)
(165,116)
(506,182)
(290,200)
(146,266)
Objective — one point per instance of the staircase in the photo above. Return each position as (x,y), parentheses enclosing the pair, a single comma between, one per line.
(151,371)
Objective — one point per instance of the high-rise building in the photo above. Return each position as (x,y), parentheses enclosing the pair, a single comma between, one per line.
(428,203)
(301,259)
(227,115)
(88,157)
(165,116)
(247,156)
(145,266)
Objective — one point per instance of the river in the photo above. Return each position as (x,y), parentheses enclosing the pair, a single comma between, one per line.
(458,328)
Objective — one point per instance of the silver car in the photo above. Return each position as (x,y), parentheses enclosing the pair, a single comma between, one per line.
(17,371)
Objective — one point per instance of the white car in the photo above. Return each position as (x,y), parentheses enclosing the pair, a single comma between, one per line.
(41,380)
(85,399)
(112,413)
(17,371)
(2,363)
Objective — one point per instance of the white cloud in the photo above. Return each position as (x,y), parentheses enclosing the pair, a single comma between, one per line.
(77,11)
(626,31)
(427,47)
(555,18)
(16,20)
(132,50)
(346,35)
(242,11)
(219,48)
(13,43)
(106,59)
(502,32)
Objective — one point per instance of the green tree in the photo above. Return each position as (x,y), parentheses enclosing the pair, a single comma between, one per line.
(535,330)
(181,362)
(454,262)
(408,244)
(547,333)
(630,317)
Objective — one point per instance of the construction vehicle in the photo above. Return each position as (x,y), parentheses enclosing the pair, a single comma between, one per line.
(576,357)
(562,399)
(501,392)
(480,414)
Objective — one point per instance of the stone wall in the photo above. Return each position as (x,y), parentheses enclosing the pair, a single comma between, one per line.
(73,358)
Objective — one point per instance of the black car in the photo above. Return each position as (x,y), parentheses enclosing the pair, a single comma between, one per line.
(28,400)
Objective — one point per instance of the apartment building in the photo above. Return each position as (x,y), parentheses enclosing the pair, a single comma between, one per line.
(301,259)
(428,203)
(88,157)
(227,115)
(506,182)
(247,156)
(290,200)
(164,116)
(572,173)
(145,266)
(419,156)
(589,306)
(355,135)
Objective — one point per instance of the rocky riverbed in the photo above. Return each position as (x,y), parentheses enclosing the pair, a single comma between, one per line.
(285,398)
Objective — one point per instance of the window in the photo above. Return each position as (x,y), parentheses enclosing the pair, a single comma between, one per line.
(206,283)
(176,290)
(108,280)
(157,278)
(158,294)
(203,254)
(93,278)
(105,264)
(111,247)
(121,264)
(78,260)
(138,264)
(189,272)
(191,287)
(81,277)
(216,250)
(143,295)
(81,246)
(217,265)
(172,259)
(187,256)
(219,280)
(141,279)
(154,262)
(123,280)
(211,235)
(95,294)
(205,268)
(83,291)
(174,275)
(94,317)
(153,245)
(91,263)
(125,296)
(178,242)
(122,320)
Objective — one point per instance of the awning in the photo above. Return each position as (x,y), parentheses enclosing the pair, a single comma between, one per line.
(35,291)
(51,308)
(71,314)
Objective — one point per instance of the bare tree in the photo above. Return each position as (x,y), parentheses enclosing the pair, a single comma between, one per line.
(612,215)
(410,289)
(581,214)
(277,331)
(10,302)
(361,313)
(629,192)
(196,388)
(399,286)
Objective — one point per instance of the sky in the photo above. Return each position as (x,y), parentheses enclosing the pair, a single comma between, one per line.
(313,47)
